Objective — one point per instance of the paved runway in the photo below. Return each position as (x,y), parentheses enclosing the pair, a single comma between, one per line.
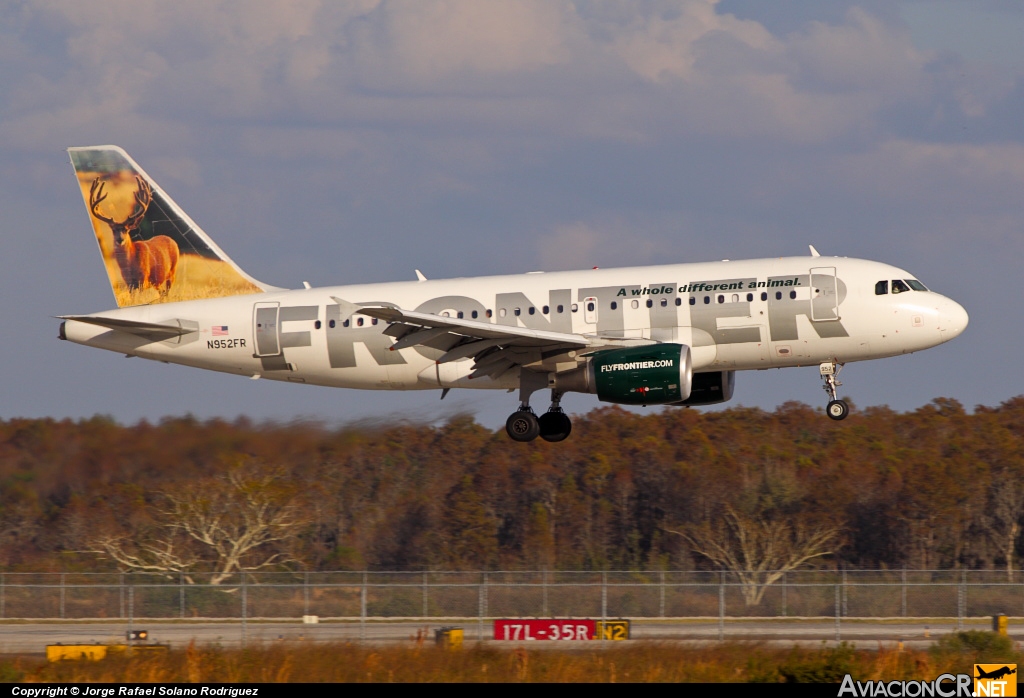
(33,636)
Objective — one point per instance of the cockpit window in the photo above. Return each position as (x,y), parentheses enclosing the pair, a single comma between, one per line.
(881,288)
(898,286)
(916,285)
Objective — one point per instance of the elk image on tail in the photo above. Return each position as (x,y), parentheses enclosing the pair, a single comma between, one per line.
(144,264)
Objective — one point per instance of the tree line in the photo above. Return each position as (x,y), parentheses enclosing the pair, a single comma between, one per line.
(678,489)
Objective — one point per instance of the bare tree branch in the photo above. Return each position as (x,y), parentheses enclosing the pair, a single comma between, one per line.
(240,522)
(757,550)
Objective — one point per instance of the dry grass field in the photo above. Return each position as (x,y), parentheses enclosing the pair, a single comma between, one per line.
(424,662)
(196,278)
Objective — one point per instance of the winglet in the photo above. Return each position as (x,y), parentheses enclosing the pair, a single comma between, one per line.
(814,252)
(419,275)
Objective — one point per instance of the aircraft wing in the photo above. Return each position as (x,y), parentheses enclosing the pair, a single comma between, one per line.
(494,348)
(149,330)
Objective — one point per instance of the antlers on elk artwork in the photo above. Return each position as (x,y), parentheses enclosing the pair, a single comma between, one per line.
(143,264)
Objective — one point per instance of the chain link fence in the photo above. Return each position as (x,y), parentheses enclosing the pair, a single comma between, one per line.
(439,596)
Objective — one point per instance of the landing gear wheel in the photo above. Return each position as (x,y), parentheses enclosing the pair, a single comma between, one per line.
(555,426)
(522,426)
(837,409)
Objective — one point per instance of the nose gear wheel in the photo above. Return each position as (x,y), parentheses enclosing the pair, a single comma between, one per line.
(837,409)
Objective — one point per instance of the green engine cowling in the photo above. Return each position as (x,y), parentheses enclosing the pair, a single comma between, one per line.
(655,374)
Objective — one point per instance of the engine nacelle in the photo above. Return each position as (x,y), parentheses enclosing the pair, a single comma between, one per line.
(710,388)
(656,374)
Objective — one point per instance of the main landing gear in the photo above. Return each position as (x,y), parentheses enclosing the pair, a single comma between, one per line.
(837,409)
(523,425)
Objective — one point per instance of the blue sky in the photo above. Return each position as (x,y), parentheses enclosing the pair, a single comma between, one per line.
(338,142)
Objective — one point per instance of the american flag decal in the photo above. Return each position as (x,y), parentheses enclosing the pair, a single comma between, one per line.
(220,330)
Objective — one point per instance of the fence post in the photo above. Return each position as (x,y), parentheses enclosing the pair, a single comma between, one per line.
(721,605)
(544,590)
(846,610)
(362,610)
(62,595)
(480,609)
(903,595)
(961,600)
(838,613)
(604,595)
(3,599)
(181,595)
(425,594)
(245,609)
(661,604)
(305,594)
(131,608)
(785,606)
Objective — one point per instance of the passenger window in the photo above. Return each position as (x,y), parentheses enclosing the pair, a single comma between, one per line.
(635,304)
(374,320)
(721,298)
(778,295)
(898,286)
(750,297)
(532,311)
(679,301)
(693,300)
(317,325)
(474,314)
(459,315)
(501,313)
(650,303)
(590,307)
(764,295)
(359,322)
(560,308)
(490,314)
(664,302)
(614,305)
(707,300)
(735,298)
(792,294)
(517,312)
(882,288)
(545,310)
(575,307)
(331,323)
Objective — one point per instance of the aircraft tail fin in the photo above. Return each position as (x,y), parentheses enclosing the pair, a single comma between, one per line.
(153,251)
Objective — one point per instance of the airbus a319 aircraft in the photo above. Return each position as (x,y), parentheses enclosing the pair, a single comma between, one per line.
(672,334)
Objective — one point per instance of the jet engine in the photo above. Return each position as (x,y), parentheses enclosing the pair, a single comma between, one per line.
(656,374)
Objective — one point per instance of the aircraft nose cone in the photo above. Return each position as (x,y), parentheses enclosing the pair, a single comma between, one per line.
(953,319)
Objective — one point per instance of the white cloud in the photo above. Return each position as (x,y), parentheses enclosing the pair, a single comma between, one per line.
(629,72)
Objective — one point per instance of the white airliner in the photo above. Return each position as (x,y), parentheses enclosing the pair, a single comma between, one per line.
(672,334)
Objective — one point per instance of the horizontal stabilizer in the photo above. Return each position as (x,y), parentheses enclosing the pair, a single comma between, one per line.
(156,331)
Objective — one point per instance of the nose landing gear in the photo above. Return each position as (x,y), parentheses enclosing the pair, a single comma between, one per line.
(837,409)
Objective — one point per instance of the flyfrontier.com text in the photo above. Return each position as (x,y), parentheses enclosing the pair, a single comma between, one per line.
(945,686)
(637,365)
